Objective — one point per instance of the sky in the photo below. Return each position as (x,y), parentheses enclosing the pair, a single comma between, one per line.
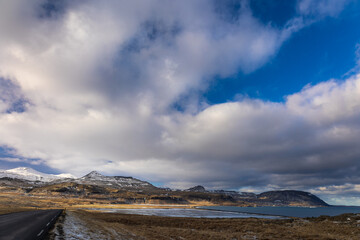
(248,95)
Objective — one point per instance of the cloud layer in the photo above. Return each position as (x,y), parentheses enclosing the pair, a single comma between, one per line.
(93,85)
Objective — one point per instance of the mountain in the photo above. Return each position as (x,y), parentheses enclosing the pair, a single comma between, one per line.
(95,178)
(197,188)
(291,197)
(29,174)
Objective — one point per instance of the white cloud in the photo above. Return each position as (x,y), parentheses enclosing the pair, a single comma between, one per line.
(99,80)
(321,8)
(313,102)
(344,194)
(342,200)
(230,143)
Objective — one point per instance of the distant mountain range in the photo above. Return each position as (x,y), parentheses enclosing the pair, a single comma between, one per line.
(29,174)
(131,190)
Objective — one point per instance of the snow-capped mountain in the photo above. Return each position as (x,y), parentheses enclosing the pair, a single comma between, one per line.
(30,174)
(95,178)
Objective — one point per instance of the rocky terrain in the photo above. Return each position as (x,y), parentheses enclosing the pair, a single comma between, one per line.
(129,190)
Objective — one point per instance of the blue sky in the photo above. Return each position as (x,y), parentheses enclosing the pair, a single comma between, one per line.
(317,53)
(249,95)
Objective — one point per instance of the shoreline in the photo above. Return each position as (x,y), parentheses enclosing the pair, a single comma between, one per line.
(246,212)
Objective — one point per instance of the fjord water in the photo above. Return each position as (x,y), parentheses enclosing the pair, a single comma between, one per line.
(185,212)
(289,211)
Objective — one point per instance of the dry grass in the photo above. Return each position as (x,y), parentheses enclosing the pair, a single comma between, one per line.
(17,202)
(128,206)
(153,227)
(5,210)
(42,200)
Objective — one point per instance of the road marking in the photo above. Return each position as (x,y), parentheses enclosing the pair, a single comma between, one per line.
(40,233)
(48,224)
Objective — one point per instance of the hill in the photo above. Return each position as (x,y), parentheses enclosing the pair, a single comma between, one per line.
(291,198)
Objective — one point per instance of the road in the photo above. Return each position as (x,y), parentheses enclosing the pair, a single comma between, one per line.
(31,225)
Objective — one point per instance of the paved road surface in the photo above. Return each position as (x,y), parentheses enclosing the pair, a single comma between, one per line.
(30,225)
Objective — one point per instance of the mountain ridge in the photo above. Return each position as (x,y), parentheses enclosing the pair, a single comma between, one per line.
(96,178)
(133,190)
(290,197)
(29,174)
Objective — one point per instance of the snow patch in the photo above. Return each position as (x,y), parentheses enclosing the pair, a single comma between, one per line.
(99,179)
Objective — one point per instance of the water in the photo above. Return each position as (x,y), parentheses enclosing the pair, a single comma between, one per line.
(289,211)
(185,212)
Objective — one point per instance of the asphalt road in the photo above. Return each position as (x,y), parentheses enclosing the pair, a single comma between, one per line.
(30,225)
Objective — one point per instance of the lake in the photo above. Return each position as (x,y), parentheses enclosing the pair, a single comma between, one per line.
(185,212)
(288,211)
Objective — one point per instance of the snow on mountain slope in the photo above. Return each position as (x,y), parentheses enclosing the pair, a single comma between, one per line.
(93,178)
(30,174)
(96,178)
